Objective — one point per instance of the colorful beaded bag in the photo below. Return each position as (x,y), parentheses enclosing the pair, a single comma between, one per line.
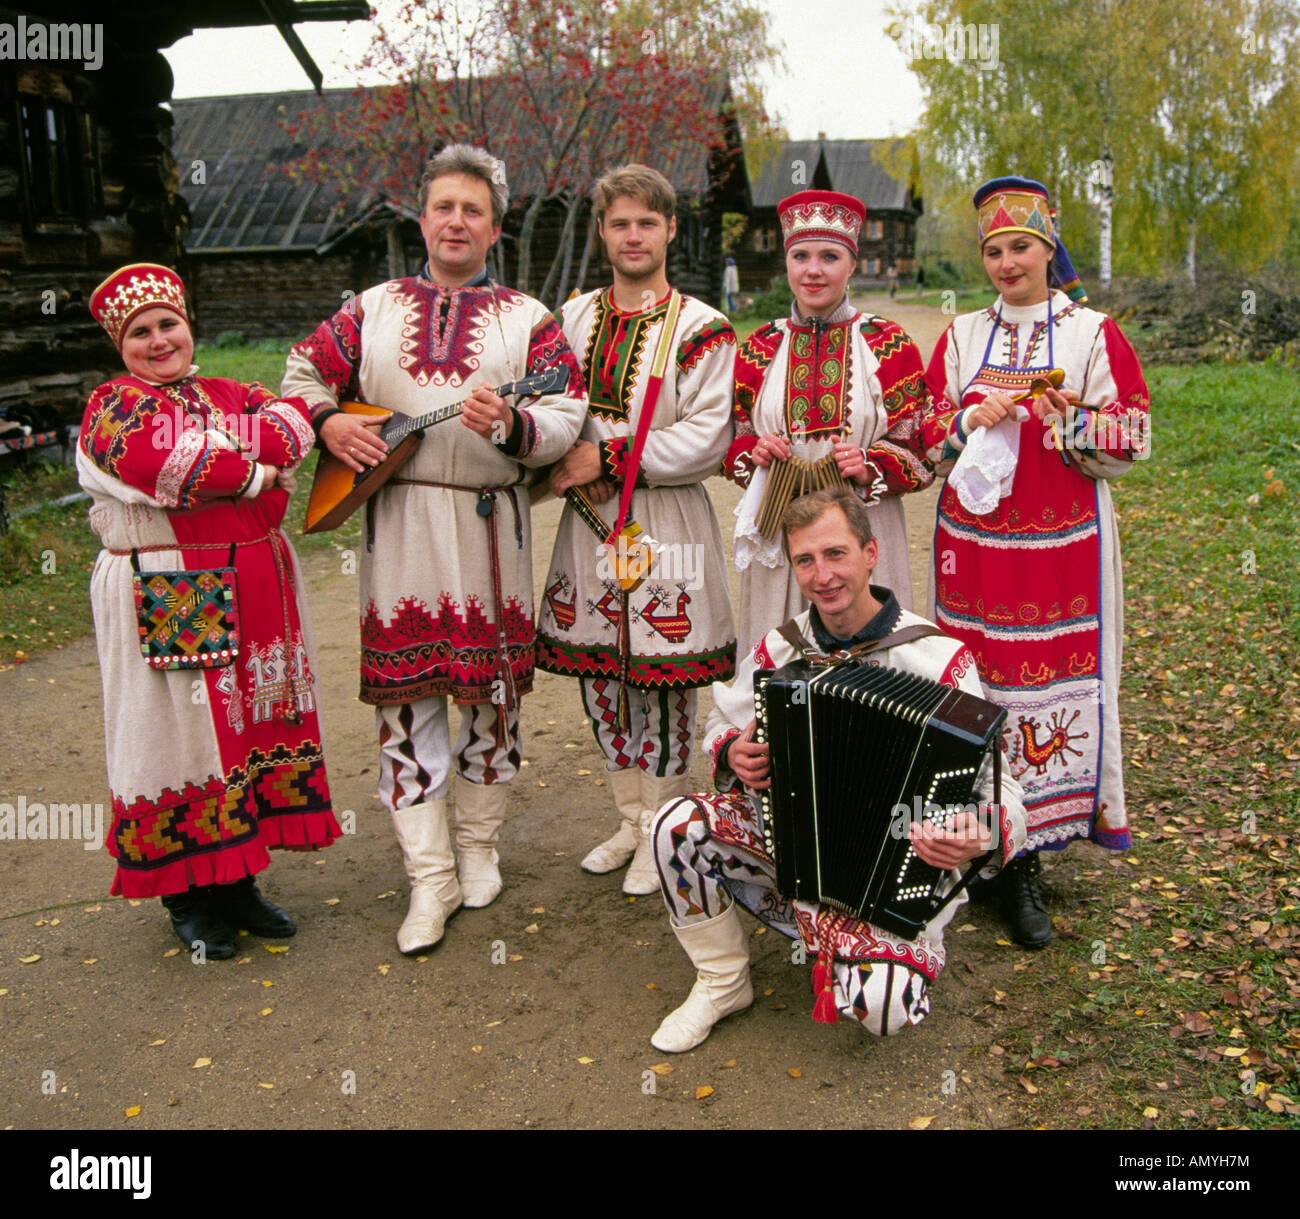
(186,618)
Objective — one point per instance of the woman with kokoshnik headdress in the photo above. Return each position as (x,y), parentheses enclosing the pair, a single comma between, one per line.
(827,391)
(1027,563)
(210,694)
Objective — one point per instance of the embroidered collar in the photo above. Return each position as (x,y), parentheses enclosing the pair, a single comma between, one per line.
(879,626)
(658,307)
(843,312)
(191,372)
(481,280)
(1016,315)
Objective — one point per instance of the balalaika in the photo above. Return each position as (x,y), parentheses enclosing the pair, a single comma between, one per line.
(859,751)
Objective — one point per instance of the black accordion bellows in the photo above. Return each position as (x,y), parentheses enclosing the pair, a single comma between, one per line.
(859,751)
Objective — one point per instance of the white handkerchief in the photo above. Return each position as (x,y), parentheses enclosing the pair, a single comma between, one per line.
(986,469)
(750,545)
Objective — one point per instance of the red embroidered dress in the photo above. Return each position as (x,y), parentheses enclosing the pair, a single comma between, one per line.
(859,377)
(446,590)
(1035,587)
(205,768)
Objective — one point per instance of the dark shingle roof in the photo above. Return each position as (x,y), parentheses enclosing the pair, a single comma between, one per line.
(861,168)
(246,201)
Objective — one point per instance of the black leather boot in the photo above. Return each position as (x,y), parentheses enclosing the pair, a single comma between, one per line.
(195,917)
(1022,903)
(243,905)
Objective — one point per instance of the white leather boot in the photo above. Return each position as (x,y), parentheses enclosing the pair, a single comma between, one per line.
(718,950)
(642,876)
(423,835)
(480,810)
(614,853)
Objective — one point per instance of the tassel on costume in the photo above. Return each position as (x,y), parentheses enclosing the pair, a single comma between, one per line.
(824,1010)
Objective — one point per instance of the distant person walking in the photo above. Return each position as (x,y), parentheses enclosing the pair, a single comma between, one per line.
(920,280)
(892,276)
(730,284)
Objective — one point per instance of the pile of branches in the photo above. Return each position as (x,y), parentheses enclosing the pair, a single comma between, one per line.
(1227,318)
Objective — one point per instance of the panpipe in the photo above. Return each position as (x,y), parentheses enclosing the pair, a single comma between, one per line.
(858,752)
(788,480)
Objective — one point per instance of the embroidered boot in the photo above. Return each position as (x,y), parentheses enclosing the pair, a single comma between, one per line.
(1022,902)
(194,918)
(480,810)
(642,876)
(425,839)
(718,950)
(614,853)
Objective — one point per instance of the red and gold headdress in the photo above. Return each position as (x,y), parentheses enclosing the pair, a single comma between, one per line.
(821,215)
(142,285)
(1021,205)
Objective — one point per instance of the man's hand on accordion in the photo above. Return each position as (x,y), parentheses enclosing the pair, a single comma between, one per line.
(950,848)
(749,760)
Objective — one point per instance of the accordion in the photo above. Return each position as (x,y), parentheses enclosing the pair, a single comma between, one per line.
(858,752)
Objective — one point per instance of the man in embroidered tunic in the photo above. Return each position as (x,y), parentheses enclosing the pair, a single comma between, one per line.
(446,583)
(658,644)
(710,849)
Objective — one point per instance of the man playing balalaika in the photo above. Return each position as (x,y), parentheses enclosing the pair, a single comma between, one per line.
(710,848)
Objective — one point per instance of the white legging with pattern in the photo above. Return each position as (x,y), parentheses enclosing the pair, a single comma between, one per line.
(415,750)
(695,868)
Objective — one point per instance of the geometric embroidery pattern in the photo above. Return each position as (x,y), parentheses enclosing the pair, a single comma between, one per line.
(154,832)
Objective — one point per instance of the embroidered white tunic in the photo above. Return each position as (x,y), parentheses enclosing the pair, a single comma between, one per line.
(679,621)
(446,590)
(1035,587)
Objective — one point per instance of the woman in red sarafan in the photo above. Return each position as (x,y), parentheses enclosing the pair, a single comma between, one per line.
(1038,404)
(212,758)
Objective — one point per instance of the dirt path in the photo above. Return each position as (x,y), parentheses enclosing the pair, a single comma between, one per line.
(341,1030)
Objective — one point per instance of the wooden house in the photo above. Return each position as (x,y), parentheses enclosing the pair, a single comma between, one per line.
(88,180)
(884,174)
(272,250)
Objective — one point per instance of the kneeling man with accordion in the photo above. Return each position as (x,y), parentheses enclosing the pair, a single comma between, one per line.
(859,784)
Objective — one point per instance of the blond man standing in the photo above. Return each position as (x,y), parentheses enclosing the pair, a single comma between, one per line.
(641,656)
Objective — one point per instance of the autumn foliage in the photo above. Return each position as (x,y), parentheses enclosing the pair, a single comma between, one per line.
(557,91)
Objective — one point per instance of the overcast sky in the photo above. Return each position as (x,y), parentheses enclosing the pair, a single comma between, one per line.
(844,75)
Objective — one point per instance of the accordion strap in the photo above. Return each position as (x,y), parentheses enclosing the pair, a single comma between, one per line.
(791,634)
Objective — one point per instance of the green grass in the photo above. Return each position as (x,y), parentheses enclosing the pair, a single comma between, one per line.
(262,361)
(1200,923)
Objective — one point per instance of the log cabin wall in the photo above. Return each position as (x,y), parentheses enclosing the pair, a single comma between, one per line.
(277,295)
(87,183)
